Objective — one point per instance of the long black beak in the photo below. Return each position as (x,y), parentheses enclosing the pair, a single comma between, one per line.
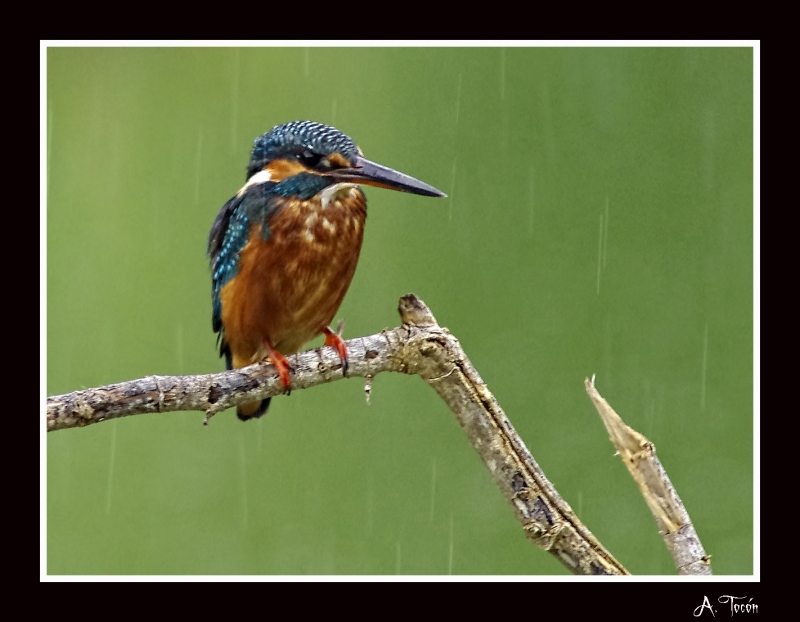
(373,174)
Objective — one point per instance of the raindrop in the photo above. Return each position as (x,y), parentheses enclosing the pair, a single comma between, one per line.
(703,374)
(180,348)
(599,253)
(197,168)
(111,466)
(502,73)
(433,487)
(605,235)
(530,208)
(50,140)
(397,558)
(651,417)
(370,504)
(450,554)
(368,387)
(244,482)
(458,95)
(235,100)
(452,190)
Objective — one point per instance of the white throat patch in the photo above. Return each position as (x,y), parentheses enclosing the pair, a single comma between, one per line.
(335,192)
(258,178)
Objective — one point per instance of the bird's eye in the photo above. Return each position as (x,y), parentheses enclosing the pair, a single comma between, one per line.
(309,158)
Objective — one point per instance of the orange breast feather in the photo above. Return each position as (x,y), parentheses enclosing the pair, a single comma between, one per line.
(290,286)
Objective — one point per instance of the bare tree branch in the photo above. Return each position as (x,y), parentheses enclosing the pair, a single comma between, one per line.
(639,455)
(419,346)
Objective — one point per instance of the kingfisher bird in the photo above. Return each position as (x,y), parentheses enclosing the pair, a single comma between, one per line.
(284,249)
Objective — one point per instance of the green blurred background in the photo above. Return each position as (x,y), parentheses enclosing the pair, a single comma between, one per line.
(599,220)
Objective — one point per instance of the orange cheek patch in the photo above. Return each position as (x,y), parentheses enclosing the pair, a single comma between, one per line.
(283,169)
(338,160)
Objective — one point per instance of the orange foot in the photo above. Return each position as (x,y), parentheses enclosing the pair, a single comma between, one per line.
(337,343)
(282,364)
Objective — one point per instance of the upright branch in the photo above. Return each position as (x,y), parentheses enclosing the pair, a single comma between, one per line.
(672,519)
(419,346)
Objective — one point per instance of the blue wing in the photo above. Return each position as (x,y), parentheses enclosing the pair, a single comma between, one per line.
(227,238)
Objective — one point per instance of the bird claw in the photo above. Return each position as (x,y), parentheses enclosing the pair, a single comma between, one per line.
(335,341)
(287,386)
(284,369)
